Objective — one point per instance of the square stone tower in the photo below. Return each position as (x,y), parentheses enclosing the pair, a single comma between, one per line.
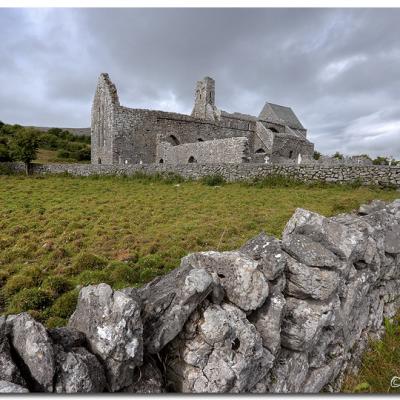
(204,105)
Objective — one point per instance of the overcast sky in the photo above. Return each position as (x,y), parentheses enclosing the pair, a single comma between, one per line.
(339,69)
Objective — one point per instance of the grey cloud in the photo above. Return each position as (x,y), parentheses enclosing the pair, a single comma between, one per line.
(337,68)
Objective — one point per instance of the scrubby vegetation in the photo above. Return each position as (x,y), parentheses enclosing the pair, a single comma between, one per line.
(55,145)
(58,233)
(380,364)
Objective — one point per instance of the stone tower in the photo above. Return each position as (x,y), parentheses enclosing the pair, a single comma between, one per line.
(204,106)
(102,127)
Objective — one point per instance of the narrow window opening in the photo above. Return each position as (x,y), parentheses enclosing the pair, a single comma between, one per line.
(191,160)
(291,154)
(200,140)
(99,161)
(173,140)
(161,161)
(260,151)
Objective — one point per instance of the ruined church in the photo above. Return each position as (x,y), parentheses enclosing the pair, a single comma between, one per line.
(122,135)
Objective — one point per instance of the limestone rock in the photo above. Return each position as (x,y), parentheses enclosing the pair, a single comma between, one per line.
(307,282)
(8,370)
(289,372)
(218,352)
(267,250)
(392,239)
(34,346)
(304,320)
(244,284)
(306,251)
(148,379)
(267,320)
(78,371)
(9,387)
(375,205)
(334,236)
(168,302)
(113,328)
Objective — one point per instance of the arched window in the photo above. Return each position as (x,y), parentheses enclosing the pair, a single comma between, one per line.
(260,151)
(173,140)
(290,153)
(99,161)
(191,160)
(161,161)
(273,129)
(200,139)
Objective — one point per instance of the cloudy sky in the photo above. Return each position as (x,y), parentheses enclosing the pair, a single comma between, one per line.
(339,69)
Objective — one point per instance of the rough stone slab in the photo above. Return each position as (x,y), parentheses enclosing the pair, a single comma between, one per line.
(267,320)
(307,282)
(334,236)
(8,369)
(113,328)
(304,320)
(78,371)
(9,387)
(375,205)
(34,346)
(219,351)
(268,252)
(168,302)
(244,284)
(307,251)
(392,239)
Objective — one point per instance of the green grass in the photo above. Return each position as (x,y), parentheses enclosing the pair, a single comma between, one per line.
(58,233)
(379,364)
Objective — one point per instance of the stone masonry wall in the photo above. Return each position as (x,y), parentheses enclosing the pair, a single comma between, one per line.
(280,316)
(232,150)
(371,175)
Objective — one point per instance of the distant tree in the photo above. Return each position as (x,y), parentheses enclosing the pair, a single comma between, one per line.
(380,160)
(1,124)
(24,146)
(338,156)
(317,155)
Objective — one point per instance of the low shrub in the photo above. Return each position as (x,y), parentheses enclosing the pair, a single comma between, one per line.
(57,285)
(29,299)
(88,261)
(65,305)
(213,180)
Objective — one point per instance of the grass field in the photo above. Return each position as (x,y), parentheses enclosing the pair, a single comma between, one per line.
(60,232)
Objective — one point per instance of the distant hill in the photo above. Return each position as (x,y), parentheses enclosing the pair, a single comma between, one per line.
(74,131)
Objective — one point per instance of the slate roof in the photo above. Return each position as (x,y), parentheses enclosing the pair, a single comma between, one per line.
(281,115)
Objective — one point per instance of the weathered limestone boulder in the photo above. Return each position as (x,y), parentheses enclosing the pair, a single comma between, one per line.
(78,371)
(287,376)
(267,320)
(113,328)
(392,239)
(307,251)
(310,282)
(9,387)
(167,303)
(8,369)
(243,283)
(267,250)
(320,377)
(219,351)
(35,348)
(375,205)
(334,236)
(148,379)
(304,320)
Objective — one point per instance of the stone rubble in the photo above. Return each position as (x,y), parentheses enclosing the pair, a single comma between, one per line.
(276,316)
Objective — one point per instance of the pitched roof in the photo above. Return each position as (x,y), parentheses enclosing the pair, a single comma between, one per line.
(281,115)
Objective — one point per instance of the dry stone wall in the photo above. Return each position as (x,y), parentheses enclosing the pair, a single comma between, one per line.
(370,175)
(290,315)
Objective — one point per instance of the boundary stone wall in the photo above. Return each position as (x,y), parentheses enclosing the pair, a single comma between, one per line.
(369,175)
(278,316)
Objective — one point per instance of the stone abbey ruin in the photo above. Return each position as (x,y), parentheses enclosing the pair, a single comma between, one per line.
(278,316)
(124,136)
